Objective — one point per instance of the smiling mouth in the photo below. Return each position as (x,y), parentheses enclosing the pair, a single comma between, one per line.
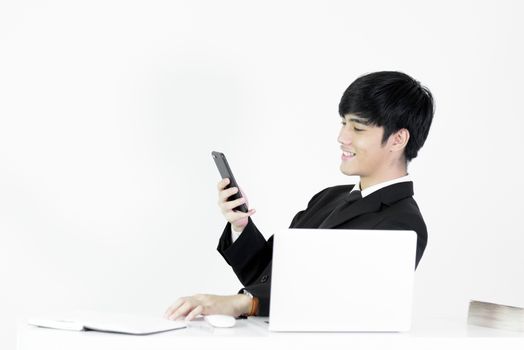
(348,154)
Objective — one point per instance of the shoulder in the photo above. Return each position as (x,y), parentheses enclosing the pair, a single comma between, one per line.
(332,191)
(404,214)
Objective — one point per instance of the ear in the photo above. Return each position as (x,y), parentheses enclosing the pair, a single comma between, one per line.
(399,140)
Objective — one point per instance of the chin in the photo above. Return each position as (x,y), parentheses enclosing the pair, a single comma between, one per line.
(346,171)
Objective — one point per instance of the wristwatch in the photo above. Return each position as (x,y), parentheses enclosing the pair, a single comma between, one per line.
(254,304)
(247,293)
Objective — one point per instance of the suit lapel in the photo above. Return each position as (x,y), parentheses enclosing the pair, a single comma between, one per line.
(369,204)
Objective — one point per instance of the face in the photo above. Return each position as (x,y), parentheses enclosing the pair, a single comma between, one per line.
(363,153)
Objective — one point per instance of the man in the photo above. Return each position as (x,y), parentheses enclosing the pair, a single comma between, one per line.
(386,117)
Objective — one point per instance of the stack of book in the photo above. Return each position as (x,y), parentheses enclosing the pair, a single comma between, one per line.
(496,316)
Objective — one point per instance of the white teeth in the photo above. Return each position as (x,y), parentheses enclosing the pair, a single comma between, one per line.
(347,154)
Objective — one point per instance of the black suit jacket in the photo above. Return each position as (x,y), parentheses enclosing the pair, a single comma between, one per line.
(390,208)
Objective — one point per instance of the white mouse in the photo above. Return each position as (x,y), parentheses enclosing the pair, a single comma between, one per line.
(220,321)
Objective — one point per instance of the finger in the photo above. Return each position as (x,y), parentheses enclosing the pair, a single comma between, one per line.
(225,194)
(235,203)
(236,215)
(173,307)
(222,183)
(246,215)
(181,311)
(196,311)
(244,195)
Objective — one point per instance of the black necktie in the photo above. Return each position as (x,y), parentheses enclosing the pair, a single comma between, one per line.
(353,197)
(348,200)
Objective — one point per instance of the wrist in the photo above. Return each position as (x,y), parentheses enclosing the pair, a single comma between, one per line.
(243,304)
(237,230)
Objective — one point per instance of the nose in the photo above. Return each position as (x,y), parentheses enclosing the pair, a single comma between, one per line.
(345,136)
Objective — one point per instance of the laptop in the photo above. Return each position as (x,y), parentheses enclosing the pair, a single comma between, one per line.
(330,280)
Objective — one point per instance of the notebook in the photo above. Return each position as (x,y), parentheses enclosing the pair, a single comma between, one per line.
(107,322)
(333,280)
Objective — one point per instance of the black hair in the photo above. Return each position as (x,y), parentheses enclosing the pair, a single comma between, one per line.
(393,100)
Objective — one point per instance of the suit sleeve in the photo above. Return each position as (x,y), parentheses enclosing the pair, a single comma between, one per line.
(248,255)
(251,258)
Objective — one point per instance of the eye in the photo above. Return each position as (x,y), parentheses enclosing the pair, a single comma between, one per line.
(357,129)
(343,122)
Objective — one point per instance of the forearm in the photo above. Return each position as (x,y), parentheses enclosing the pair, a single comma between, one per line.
(235,233)
(248,255)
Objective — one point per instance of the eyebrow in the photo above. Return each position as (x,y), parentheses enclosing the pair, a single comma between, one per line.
(360,121)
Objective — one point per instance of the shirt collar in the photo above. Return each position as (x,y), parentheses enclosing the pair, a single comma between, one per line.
(381,185)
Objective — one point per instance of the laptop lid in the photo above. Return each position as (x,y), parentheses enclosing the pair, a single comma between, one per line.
(342,280)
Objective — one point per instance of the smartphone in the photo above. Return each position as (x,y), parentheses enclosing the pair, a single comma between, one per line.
(225,171)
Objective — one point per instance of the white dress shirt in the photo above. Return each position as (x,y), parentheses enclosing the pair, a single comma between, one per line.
(378,186)
(366,192)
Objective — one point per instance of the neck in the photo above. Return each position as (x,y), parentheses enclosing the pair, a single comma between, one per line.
(368,181)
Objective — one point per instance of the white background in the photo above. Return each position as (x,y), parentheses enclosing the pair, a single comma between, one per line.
(109,111)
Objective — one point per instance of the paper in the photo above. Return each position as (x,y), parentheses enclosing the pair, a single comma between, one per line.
(107,322)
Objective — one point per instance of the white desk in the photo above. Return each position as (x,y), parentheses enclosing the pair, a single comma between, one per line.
(253,334)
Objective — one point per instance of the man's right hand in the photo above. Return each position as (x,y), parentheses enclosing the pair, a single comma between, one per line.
(237,218)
